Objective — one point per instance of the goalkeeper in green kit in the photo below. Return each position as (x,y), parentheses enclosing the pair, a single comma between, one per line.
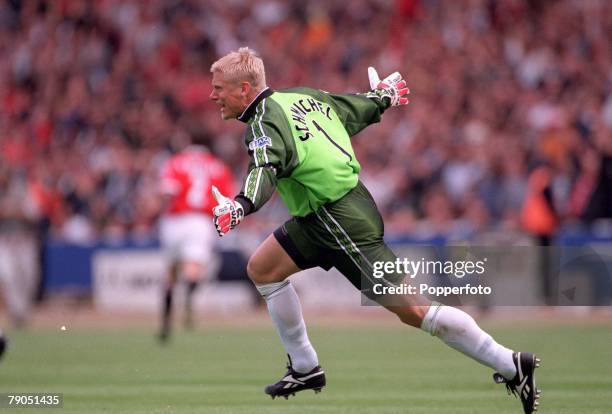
(299,142)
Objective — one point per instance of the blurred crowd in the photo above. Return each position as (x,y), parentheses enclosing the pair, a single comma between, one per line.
(95,95)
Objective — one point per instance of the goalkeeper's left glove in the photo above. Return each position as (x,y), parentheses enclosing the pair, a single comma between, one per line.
(392,87)
(227,214)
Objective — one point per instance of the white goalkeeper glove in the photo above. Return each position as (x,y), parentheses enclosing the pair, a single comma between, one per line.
(392,87)
(227,214)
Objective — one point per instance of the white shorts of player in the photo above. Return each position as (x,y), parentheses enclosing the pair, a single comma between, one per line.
(188,236)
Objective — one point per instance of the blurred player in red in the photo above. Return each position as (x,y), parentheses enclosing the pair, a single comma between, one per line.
(187,232)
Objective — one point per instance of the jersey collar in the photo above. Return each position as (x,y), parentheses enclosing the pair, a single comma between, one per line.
(250,110)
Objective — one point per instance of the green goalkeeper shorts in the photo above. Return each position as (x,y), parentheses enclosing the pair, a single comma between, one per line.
(346,234)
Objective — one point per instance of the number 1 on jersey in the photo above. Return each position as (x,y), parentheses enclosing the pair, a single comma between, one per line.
(316,124)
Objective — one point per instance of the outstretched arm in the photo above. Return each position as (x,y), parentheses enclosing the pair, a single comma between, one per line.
(357,111)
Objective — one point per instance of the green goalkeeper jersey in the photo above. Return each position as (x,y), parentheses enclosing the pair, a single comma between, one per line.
(299,143)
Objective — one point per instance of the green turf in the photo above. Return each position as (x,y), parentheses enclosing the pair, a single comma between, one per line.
(369,370)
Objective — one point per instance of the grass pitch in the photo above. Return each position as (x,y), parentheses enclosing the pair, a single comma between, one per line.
(381,370)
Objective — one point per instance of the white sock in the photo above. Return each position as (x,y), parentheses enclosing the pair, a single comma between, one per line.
(458,330)
(286,312)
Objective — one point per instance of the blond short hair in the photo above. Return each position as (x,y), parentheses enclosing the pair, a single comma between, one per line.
(242,65)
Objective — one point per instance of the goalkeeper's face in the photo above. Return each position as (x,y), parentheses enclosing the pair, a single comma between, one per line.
(230,96)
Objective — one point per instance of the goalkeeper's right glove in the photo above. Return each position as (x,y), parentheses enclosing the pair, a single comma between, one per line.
(392,87)
(227,214)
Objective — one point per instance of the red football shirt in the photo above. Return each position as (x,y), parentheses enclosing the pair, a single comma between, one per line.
(188,177)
